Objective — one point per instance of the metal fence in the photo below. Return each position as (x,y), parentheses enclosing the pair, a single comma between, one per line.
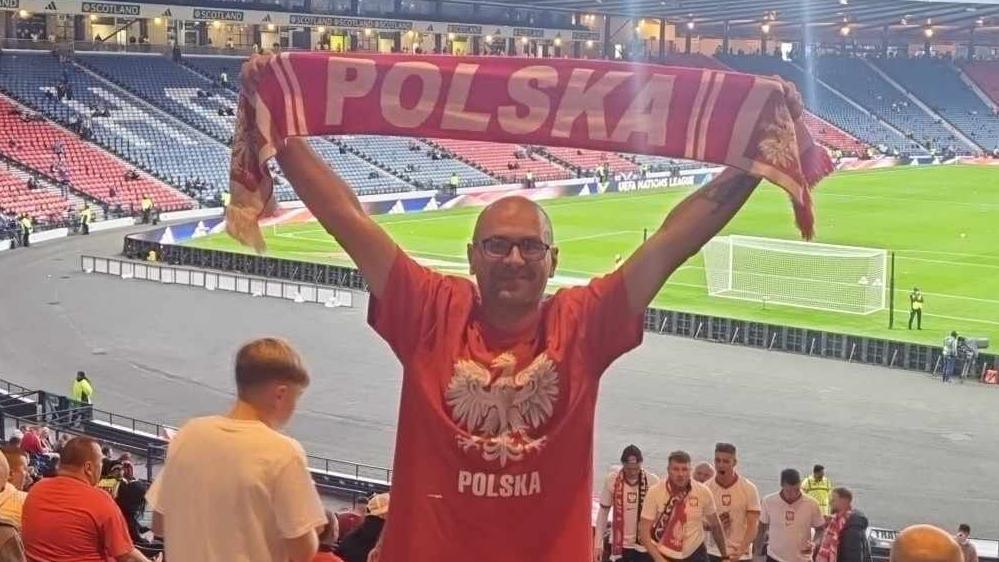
(772,337)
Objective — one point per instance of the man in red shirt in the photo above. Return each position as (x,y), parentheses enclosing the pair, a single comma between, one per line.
(67,519)
(494,449)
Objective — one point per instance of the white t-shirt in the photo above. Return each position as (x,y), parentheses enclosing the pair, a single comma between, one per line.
(700,504)
(791,526)
(734,504)
(233,491)
(630,506)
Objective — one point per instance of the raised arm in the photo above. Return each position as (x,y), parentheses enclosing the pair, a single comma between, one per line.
(331,200)
(337,208)
(690,225)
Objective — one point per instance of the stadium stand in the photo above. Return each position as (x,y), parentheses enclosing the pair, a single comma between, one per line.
(832,136)
(44,203)
(861,83)
(88,169)
(986,75)
(583,161)
(826,103)
(419,163)
(172,87)
(365,178)
(694,60)
(506,162)
(168,149)
(212,67)
(946,95)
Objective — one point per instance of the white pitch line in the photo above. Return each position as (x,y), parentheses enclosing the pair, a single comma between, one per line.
(947,262)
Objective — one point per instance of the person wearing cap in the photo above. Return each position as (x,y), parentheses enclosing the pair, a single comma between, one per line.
(364,541)
(621,499)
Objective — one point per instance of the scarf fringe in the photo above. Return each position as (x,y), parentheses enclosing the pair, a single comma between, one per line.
(241,224)
(815,165)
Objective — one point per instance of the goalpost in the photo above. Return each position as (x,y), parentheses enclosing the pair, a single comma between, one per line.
(846,279)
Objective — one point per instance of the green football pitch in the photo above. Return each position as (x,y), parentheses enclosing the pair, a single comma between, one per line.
(941,222)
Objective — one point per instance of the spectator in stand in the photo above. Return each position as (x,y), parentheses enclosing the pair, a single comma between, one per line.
(31,443)
(738,503)
(11,498)
(67,519)
(328,539)
(845,536)
(622,497)
(358,545)
(676,513)
(18,473)
(127,468)
(925,543)
(132,502)
(111,481)
(788,518)
(704,472)
(963,538)
(819,488)
(256,476)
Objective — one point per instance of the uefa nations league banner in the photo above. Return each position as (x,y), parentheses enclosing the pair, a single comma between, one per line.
(728,118)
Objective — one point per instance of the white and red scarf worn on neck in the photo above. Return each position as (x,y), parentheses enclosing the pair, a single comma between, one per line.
(829,549)
(728,118)
(668,528)
(617,519)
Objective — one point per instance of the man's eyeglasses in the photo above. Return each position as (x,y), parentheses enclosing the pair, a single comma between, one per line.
(531,249)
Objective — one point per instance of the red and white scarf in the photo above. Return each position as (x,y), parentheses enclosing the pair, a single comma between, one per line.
(829,550)
(617,520)
(668,528)
(729,118)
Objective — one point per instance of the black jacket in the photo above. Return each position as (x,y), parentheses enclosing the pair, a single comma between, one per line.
(853,546)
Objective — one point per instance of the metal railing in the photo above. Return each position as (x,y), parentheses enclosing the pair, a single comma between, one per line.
(302,292)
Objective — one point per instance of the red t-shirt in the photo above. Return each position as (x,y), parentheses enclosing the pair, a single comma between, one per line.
(67,520)
(494,449)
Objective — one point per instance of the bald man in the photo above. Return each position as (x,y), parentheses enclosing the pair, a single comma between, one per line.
(704,472)
(925,543)
(494,447)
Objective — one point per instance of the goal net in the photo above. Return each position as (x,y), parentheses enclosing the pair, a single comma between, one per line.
(805,274)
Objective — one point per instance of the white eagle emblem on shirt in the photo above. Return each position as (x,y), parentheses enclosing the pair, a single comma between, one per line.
(501,415)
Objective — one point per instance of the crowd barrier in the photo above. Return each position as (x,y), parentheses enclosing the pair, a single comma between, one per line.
(297,291)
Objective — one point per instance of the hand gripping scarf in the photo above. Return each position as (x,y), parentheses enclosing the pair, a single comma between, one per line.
(617,521)
(829,550)
(738,120)
(668,528)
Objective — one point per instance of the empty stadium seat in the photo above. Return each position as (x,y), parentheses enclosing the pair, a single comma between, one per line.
(170,86)
(44,203)
(90,170)
(418,166)
(495,159)
(947,95)
(826,103)
(986,75)
(164,147)
(590,160)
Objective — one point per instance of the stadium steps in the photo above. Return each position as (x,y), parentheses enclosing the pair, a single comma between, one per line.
(587,161)
(921,105)
(44,204)
(135,94)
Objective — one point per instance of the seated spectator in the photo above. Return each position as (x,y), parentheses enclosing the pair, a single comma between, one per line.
(127,468)
(112,480)
(132,502)
(356,546)
(67,519)
(11,498)
(257,477)
(328,538)
(31,443)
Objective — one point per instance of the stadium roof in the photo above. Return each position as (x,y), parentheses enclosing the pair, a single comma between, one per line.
(860,13)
